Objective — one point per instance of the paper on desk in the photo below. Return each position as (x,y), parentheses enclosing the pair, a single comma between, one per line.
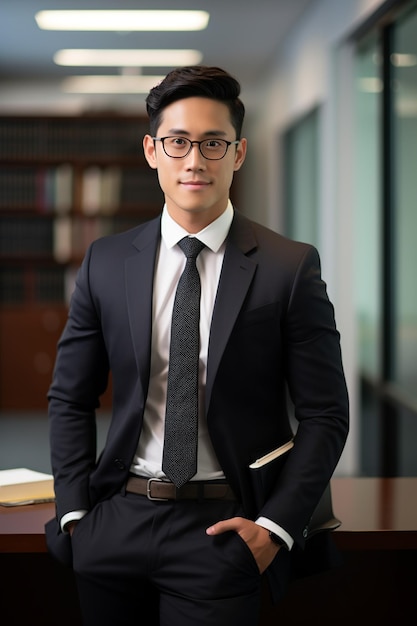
(23,486)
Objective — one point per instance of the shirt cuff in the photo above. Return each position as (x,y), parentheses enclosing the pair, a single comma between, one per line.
(72,516)
(276,529)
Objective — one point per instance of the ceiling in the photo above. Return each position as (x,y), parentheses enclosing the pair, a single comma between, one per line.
(242,37)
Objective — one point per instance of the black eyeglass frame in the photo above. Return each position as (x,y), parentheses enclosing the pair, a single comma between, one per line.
(228,144)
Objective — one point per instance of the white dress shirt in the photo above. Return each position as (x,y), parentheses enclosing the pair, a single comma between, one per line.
(170,264)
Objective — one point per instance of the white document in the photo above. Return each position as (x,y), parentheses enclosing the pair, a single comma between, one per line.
(24,486)
(267,458)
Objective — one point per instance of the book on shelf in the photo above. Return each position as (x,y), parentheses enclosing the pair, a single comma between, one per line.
(91,190)
(62,188)
(110,190)
(62,239)
(22,486)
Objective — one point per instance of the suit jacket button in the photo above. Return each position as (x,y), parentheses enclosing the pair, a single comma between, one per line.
(119,464)
(305,532)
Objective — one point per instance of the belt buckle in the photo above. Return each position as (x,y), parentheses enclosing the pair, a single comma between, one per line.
(148,490)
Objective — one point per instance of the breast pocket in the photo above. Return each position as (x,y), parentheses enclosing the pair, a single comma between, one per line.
(266,314)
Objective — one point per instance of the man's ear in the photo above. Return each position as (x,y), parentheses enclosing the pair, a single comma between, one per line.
(240,154)
(149,150)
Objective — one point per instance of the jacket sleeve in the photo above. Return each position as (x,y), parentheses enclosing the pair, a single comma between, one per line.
(319,394)
(80,377)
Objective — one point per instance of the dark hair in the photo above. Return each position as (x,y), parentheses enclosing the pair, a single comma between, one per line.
(191,81)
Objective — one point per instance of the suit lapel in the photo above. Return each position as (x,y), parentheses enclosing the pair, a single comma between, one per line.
(236,276)
(139,269)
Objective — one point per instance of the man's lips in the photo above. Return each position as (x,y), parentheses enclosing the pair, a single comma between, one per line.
(196,184)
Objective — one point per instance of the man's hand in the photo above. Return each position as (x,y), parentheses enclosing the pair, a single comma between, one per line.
(70,527)
(256,537)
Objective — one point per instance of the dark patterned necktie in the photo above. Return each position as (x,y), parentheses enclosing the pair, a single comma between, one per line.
(181,419)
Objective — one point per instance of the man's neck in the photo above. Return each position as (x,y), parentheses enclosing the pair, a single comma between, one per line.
(194,221)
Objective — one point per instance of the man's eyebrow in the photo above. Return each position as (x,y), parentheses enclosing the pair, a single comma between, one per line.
(208,133)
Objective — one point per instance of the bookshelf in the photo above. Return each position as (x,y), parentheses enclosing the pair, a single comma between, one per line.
(64,181)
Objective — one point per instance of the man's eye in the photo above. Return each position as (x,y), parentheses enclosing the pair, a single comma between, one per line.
(177,141)
(213,143)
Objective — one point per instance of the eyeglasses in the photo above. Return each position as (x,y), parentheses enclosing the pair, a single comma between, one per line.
(179,147)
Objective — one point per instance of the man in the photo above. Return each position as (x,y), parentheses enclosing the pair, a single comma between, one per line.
(193,554)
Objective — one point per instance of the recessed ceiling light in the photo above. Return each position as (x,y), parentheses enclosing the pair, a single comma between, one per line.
(127,58)
(129,20)
(109,84)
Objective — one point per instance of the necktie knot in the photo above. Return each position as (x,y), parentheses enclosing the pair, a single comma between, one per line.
(191,246)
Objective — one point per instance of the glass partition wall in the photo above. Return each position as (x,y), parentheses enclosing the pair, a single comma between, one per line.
(386,244)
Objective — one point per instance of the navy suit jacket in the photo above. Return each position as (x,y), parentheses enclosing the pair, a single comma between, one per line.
(273,336)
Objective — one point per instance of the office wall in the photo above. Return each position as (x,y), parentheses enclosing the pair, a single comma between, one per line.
(313,68)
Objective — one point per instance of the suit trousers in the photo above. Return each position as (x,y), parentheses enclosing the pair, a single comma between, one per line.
(142,561)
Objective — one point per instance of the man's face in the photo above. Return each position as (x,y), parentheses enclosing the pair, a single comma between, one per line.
(196,189)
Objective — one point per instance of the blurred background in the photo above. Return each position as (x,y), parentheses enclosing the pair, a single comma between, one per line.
(330,88)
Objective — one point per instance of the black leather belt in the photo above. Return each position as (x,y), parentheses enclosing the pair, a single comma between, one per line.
(156,489)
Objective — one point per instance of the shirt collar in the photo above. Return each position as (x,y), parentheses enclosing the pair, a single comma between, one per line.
(212,235)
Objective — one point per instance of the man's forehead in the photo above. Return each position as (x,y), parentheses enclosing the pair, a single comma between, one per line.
(185,112)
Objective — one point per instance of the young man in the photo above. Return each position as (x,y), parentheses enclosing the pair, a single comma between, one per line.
(193,554)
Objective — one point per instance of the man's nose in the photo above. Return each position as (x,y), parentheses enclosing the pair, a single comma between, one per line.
(194,158)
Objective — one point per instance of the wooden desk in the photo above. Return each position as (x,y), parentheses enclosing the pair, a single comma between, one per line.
(376,514)
(377,539)
(22,528)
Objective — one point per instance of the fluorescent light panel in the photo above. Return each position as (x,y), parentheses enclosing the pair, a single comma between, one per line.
(129,20)
(127,58)
(109,84)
